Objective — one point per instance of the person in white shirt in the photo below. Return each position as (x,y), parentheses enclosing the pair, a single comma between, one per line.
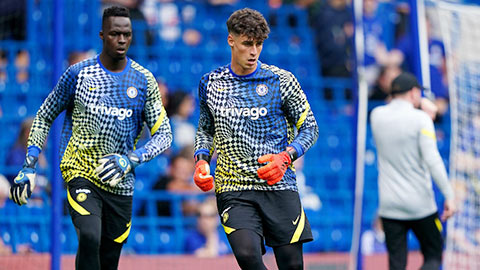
(407,159)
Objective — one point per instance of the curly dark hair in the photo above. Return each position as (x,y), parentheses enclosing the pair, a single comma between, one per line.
(248,22)
(115,11)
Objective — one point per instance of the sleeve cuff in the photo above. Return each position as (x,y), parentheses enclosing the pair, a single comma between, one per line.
(33,150)
(140,152)
(202,151)
(297,148)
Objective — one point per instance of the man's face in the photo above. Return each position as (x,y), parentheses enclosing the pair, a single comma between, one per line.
(117,36)
(245,53)
(417,97)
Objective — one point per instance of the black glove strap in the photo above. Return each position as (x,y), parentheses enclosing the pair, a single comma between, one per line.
(30,162)
(202,157)
(293,154)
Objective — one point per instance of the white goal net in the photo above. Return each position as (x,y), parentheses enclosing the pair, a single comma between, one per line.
(460,26)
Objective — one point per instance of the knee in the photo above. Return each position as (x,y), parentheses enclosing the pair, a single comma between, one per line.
(247,255)
(89,238)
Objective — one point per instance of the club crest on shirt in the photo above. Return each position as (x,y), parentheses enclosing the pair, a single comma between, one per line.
(262,89)
(132,92)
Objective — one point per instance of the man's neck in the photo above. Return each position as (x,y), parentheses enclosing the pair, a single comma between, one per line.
(404,98)
(113,65)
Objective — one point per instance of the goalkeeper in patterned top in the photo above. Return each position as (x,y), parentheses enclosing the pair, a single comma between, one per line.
(258,120)
(107,99)
(407,156)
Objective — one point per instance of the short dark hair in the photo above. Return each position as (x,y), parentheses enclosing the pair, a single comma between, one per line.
(114,11)
(248,22)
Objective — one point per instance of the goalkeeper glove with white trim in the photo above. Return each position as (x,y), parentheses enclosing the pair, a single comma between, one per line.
(24,183)
(276,168)
(202,176)
(112,168)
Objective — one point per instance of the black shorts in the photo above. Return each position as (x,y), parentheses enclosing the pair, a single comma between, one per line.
(277,216)
(428,231)
(115,211)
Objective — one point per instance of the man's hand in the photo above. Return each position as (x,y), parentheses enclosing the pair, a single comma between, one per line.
(24,183)
(202,176)
(449,209)
(275,169)
(113,167)
(429,107)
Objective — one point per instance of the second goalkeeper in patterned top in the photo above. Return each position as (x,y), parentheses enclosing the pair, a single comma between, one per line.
(258,120)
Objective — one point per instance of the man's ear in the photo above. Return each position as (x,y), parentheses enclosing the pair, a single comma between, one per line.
(100,34)
(230,40)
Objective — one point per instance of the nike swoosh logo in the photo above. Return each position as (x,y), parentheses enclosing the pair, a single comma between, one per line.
(295,221)
(92,88)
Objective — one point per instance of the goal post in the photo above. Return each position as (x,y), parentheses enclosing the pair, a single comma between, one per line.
(460,29)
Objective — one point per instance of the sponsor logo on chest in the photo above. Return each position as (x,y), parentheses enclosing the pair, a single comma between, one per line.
(120,113)
(254,113)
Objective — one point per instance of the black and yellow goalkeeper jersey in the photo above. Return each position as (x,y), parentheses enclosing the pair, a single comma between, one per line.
(105,112)
(245,117)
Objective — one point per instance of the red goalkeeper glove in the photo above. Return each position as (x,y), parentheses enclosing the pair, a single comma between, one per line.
(275,169)
(202,176)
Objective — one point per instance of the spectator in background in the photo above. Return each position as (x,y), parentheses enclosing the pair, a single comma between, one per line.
(12,20)
(438,69)
(13,27)
(299,3)
(381,88)
(22,62)
(181,106)
(78,56)
(163,88)
(3,66)
(173,22)
(403,55)
(177,180)
(333,27)
(222,2)
(376,51)
(164,16)
(191,37)
(206,241)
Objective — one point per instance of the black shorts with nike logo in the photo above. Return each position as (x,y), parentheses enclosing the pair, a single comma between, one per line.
(86,199)
(277,216)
